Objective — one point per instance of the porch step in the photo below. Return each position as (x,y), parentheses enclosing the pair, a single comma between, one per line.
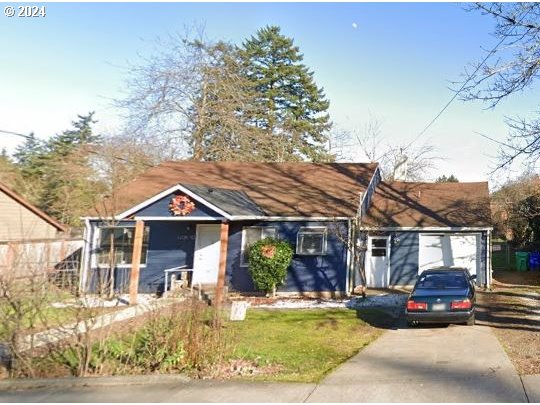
(207,292)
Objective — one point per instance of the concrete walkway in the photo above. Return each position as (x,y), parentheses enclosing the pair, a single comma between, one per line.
(436,364)
(64,332)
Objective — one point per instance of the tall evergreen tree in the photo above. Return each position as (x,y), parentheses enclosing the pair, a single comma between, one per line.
(290,108)
(68,189)
(30,158)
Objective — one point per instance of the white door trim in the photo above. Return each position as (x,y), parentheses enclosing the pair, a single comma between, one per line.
(368,259)
(197,247)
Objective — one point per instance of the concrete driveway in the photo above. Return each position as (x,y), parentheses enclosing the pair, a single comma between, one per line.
(435,364)
(426,364)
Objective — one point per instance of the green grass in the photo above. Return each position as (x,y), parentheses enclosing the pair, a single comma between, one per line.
(42,316)
(306,344)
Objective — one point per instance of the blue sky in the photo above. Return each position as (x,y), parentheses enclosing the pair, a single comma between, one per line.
(395,65)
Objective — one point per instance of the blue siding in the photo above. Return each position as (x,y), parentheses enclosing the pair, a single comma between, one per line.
(171,244)
(404,258)
(160,208)
(325,273)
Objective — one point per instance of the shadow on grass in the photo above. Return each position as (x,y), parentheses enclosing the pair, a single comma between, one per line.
(378,318)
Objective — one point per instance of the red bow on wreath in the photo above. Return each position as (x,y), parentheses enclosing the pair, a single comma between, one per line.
(181,205)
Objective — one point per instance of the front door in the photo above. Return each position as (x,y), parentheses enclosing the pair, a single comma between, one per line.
(378,260)
(206,259)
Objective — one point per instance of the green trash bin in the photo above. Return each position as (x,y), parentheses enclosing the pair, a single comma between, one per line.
(522,259)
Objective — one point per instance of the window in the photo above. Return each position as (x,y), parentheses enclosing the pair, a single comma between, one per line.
(311,241)
(122,239)
(378,247)
(250,235)
(441,280)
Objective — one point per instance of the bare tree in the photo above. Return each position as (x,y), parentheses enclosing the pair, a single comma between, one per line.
(516,209)
(191,100)
(512,66)
(397,161)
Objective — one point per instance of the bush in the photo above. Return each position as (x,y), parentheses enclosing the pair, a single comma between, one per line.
(269,259)
(180,338)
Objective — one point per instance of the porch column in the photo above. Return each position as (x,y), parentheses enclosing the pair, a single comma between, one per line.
(136,262)
(224,244)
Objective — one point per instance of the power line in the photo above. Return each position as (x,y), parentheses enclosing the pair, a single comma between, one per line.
(468,79)
(16,134)
(122,159)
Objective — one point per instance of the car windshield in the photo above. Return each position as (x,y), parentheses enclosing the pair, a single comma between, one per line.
(442,280)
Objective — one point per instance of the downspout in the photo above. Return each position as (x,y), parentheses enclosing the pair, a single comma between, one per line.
(85,257)
(488,259)
(349,286)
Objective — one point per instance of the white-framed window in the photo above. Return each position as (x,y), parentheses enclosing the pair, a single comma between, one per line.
(378,247)
(122,239)
(311,240)
(252,234)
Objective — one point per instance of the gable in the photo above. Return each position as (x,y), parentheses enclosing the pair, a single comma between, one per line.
(160,208)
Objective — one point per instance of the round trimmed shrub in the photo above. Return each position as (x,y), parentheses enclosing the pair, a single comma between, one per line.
(268,261)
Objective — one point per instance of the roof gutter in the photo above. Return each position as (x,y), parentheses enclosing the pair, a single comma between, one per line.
(427,228)
(232,218)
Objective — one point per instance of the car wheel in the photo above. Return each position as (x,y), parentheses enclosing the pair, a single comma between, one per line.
(412,324)
(470,321)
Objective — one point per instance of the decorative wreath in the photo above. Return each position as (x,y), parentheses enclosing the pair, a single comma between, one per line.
(181,205)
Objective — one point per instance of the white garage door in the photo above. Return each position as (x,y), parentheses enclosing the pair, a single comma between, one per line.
(450,250)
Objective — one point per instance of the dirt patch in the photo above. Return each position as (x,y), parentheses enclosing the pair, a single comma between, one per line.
(509,279)
(512,309)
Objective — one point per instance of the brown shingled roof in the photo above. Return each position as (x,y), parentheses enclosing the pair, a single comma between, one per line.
(405,204)
(279,189)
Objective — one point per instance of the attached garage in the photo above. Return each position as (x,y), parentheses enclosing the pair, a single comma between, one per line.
(454,250)
(411,227)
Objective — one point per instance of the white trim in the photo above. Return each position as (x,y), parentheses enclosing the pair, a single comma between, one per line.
(242,248)
(231,218)
(164,193)
(348,273)
(179,218)
(368,186)
(428,228)
(86,256)
(322,230)
(95,242)
(277,218)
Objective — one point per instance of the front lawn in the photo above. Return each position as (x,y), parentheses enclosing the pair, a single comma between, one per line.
(301,345)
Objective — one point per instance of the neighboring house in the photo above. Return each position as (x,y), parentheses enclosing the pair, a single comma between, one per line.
(22,221)
(190,213)
(30,240)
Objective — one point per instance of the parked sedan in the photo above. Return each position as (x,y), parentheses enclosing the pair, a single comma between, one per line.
(443,295)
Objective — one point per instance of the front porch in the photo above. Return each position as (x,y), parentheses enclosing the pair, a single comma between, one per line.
(149,254)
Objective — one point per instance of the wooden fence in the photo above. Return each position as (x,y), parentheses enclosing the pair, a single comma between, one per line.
(57,259)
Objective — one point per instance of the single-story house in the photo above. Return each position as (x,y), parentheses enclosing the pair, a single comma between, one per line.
(200,217)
